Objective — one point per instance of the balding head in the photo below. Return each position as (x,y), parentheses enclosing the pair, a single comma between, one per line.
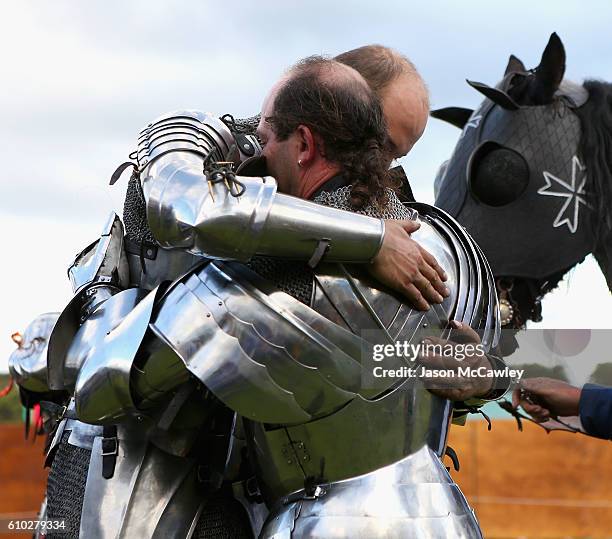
(330,104)
(331,73)
(403,92)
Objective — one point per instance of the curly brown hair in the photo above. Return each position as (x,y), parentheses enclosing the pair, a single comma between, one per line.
(339,107)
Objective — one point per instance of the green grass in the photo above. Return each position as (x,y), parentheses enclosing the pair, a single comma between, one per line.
(10,406)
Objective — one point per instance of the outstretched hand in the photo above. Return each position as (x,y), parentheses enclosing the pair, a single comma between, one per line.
(543,398)
(402,264)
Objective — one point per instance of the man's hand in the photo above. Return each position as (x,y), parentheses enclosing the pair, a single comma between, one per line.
(402,264)
(457,388)
(542,398)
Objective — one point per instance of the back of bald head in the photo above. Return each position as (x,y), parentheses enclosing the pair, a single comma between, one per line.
(380,66)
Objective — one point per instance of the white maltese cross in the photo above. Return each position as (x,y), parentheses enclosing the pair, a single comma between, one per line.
(572,192)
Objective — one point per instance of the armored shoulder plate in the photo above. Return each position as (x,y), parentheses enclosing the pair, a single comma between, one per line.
(98,272)
(28,364)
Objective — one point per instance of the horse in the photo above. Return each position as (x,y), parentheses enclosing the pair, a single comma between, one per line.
(531,178)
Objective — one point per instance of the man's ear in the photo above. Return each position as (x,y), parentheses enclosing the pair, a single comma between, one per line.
(307,145)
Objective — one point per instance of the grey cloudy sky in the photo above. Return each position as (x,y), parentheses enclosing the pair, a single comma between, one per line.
(79,79)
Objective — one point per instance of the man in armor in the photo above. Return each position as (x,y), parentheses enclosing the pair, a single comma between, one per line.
(217,354)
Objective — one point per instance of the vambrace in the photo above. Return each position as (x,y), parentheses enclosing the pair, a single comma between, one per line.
(192,204)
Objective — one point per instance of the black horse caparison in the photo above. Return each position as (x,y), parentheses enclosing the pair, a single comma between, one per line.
(531,178)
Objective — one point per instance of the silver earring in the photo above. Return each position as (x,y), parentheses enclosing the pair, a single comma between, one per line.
(299,162)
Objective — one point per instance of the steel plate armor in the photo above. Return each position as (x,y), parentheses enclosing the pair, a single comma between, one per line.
(224,378)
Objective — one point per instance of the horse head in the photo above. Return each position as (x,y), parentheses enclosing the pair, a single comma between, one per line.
(520,180)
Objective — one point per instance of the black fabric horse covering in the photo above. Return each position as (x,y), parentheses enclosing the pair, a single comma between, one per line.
(517,180)
(547,137)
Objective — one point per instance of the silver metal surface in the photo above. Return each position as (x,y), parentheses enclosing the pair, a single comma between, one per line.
(104,353)
(82,434)
(243,348)
(414,497)
(168,265)
(97,273)
(185,210)
(363,436)
(28,364)
(335,455)
(151,493)
(92,335)
(102,258)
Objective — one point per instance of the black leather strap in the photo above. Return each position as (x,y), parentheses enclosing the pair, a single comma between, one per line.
(110,449)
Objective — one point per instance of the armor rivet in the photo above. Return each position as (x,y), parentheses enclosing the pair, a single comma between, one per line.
(207,315)
(149,252)
(289,461)
(301,445)
(220,303)
(425,324)
(306,457)
(247,146)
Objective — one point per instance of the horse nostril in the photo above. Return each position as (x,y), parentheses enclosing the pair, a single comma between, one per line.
(497,175)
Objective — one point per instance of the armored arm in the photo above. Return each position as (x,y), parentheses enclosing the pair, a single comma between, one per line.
(193,206)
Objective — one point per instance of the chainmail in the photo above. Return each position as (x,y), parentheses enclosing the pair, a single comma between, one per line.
(292,277)
(341,199)
(223,517)
(247,126)
(66,488)
(134,213)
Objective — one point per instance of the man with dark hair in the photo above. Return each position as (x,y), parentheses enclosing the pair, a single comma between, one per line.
(335,103)
(323,132)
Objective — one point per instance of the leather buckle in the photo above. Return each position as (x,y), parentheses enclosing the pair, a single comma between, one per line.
(114,451)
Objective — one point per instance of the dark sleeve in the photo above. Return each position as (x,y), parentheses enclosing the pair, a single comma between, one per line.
(596,410)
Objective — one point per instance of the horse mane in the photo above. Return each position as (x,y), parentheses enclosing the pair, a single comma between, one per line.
(596,151)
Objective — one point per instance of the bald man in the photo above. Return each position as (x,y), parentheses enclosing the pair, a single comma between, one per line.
(401,89)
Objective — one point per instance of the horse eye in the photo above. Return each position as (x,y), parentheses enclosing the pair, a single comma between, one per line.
(497,175)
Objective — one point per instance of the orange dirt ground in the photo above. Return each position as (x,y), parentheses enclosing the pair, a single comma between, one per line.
(533,484)
(527,485)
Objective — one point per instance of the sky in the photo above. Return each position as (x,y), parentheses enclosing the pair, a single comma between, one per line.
(80,79)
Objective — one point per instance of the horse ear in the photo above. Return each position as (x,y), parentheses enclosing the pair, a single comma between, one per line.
(457,116)
(496,95)
(549,74)
(514,65)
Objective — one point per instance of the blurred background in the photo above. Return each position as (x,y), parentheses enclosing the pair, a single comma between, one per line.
(80,79)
